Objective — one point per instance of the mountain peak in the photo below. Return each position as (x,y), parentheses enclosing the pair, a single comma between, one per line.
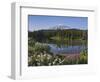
(61,27)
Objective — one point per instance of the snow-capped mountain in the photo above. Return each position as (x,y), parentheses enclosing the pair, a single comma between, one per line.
(60,27)
(65,27)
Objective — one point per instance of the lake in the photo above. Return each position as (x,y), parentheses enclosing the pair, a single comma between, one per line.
(74,47)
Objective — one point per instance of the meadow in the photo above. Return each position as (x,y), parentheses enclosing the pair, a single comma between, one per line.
(57,47)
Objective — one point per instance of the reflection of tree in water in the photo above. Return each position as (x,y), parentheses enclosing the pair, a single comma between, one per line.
(61,37)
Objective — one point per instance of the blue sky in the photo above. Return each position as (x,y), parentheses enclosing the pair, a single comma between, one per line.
(37,22)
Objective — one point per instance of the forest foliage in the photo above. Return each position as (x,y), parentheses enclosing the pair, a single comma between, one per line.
(39,53)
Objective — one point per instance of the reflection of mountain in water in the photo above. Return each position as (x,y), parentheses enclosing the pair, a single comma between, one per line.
(62,39)
(68,47)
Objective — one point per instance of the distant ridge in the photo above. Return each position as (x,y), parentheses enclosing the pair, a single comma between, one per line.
(65,27)
(61,27)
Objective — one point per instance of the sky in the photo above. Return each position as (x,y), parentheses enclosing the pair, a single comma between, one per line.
(38,22)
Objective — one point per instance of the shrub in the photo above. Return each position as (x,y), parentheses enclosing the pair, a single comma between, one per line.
(83,57)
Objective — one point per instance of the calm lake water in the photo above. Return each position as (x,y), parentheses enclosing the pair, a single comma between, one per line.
(68,48)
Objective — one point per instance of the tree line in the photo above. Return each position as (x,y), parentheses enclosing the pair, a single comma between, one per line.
(67,34)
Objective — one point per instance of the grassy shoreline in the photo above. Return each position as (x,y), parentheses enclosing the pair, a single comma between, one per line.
(39,55)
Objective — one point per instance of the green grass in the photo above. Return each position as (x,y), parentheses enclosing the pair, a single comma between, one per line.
(39,55)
